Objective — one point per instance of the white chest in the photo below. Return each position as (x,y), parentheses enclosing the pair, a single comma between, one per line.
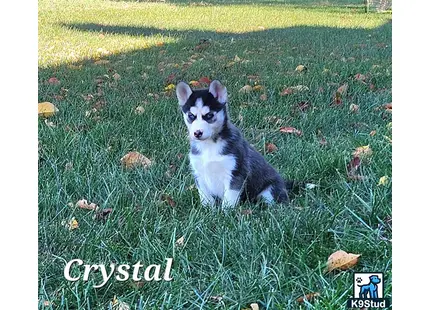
(212,169)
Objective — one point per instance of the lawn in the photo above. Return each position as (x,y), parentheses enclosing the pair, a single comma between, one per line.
(100,60)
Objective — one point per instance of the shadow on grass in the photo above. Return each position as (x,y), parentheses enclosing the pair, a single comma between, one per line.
(280,34)
(296,3)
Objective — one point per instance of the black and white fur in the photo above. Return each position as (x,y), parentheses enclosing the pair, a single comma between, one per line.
(224,165)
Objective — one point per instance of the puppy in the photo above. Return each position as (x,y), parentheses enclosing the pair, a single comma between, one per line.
(224,165)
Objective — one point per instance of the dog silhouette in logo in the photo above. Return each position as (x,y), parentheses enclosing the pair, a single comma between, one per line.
(370,290)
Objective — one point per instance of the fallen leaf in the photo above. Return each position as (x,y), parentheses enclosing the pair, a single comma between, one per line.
(362,152)
(372,133)
(205,80)
(341,91)
(257,88)
(308,297)
(46,109)
(246,89)
(352,169)
(139,110)
(383,180)
(301,68)
(83,204)
(180,242)
(353,165)
(135,159)
(170,87)
(263,97)
(341,260)
(388,107)
(270,147)
(290,130)
(354,108)
(53,81)
(194,83)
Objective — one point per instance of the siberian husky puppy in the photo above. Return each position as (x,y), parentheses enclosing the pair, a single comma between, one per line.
(224,165)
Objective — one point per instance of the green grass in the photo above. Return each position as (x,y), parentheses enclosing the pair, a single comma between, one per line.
(271,256)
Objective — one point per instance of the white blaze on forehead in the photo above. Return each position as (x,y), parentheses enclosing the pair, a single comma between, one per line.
(199,108)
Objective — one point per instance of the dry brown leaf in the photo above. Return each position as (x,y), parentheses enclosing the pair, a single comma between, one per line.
(205,80)
(135,159)
(46,109)
(341,260)
(83,204)
(270,147)
(263,97)
(257,88)
(372,133)
(194,83)
(363,152)
(308,297)
(290,130)
(53,81)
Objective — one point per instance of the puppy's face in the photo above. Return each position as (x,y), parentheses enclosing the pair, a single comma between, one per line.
(203,110)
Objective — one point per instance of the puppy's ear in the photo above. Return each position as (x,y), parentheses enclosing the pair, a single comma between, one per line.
(183,92)
(219,91)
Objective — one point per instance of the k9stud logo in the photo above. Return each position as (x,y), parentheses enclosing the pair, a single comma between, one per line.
(368,291)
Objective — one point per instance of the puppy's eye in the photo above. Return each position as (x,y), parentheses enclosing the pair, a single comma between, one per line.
(191,116)
(209,116)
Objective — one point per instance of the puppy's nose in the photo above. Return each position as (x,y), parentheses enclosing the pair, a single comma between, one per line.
(198,134)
